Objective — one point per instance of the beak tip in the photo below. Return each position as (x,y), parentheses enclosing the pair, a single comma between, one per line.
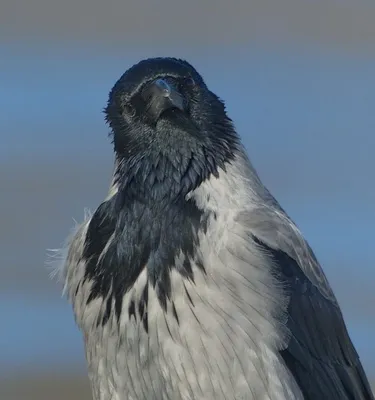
(165,96)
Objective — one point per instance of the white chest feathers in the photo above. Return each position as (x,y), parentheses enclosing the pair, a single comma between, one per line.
(220,335)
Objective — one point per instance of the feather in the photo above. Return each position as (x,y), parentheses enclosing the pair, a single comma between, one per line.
(189,281)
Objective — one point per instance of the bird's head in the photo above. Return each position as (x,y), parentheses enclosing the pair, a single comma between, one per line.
(160,111)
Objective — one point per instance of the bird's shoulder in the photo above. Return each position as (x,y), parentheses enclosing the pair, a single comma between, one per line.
(319,353)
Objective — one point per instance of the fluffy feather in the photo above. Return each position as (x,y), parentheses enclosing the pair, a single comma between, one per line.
(189,281)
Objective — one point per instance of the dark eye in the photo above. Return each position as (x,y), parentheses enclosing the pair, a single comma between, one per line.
(189,81)
(129,109)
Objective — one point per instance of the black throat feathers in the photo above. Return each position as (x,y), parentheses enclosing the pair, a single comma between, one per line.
(150,224)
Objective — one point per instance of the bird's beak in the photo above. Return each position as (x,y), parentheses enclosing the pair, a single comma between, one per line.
(170,93)
(161,96)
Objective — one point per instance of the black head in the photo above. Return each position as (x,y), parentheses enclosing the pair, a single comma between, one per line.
(161,113)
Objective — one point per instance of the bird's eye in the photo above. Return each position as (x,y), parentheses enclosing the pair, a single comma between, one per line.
(129,109)
(189,81)
(186,83)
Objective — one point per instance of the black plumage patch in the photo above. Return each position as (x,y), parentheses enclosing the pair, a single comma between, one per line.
(100,230)
(175,313)
(149,223)
(134,230)
(320,354)
(131,310)
(142,306)
(188,296)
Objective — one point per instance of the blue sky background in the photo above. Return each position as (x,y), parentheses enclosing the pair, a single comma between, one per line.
(301,94)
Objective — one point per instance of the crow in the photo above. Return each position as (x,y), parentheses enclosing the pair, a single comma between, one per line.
(189,281)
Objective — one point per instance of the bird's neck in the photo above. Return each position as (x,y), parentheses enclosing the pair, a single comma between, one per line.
(130,233)
(160,178)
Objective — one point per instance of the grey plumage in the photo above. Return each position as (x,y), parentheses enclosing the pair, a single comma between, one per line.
(190,281)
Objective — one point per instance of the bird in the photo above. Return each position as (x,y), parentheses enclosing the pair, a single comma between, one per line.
(190,281)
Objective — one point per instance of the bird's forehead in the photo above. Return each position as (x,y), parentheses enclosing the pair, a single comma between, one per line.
(156,66)
(152,68)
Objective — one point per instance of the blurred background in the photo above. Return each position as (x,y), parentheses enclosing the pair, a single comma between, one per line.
(298,79)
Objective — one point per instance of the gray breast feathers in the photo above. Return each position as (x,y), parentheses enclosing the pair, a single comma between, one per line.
(226,328)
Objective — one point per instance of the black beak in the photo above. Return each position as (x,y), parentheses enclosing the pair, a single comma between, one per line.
(161,95)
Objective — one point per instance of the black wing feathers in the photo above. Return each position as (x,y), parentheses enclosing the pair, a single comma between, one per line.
(320,353)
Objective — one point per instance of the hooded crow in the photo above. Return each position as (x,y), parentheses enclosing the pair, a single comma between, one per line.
(189,281)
